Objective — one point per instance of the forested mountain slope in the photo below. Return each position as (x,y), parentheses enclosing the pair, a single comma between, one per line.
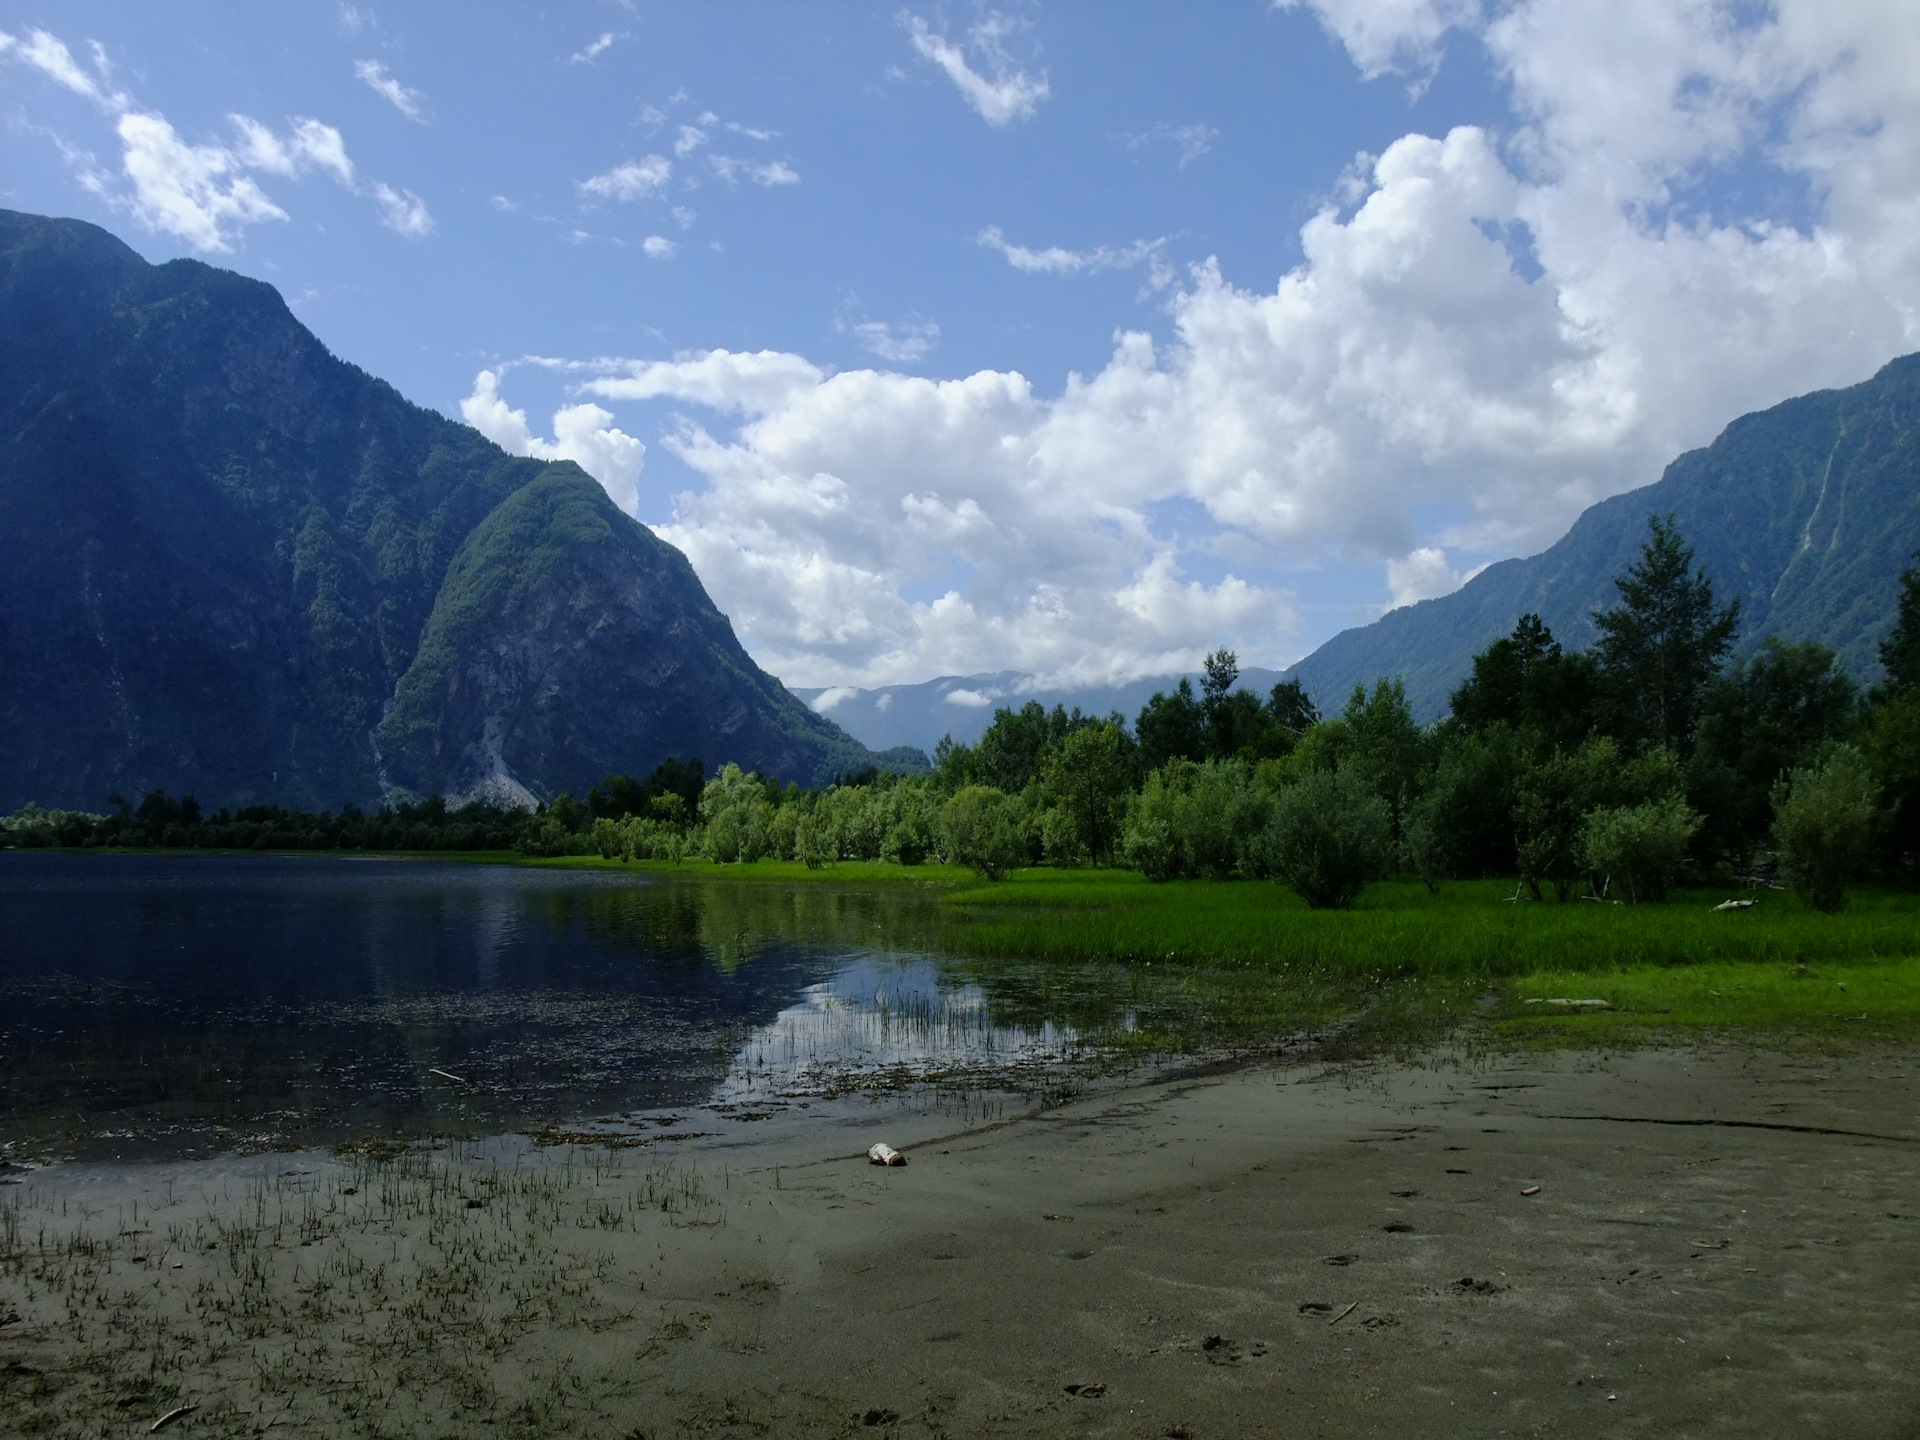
(240,567)
(1807,512)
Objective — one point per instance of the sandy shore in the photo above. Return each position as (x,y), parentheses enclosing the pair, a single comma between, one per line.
(1722,1243)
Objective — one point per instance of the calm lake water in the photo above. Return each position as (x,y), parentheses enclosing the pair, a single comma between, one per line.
(185,1004)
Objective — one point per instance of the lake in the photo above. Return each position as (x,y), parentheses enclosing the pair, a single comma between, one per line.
(175,1005)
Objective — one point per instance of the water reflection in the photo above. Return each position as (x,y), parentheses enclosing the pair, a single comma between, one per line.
(174,1004)
(885,1022)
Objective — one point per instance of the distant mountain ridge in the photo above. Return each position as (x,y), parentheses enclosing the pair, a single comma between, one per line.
(240,567)
(1807,511)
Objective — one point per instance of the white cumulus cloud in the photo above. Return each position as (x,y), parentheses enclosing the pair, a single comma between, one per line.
(1499,329)
(403,212)
(630,180)
(197,193)
(1424,574)
(204,194)
(583,434)
(902,342)
(377,78)
(1057,261)
(1000,97)
(658,247)
(1390,35)
(588,53)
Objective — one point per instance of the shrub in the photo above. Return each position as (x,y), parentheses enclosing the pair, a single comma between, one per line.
(1196,819)
(814,842)
(1327,836)
(1639,848)
(982,831)
(1823,820)
(1153,839)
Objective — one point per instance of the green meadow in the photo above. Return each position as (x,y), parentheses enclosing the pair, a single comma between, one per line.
(1402,963)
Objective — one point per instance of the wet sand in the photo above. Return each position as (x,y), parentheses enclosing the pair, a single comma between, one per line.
(1723,1243)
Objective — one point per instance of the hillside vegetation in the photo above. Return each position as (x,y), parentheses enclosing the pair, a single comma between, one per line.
(241,568)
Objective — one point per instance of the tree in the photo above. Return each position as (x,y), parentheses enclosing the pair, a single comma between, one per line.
(1466,813)
(1220,671)
(1171,727)
(618,796)
(1893,729)
(1387,746)
(1639,848)
(1090,772)
(1010,754)
(1900,651)
(1328,835)
(1662,645)
(981,828)
(1823,825)
(1526,681)
(1761,719)
(1291,709)
(1553,798)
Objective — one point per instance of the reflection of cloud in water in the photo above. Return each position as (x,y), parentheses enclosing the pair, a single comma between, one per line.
(892,1017)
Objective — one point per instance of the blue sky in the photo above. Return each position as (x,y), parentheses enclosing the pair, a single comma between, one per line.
(1360,296)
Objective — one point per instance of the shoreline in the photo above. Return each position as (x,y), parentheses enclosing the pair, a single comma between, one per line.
(1710,1245)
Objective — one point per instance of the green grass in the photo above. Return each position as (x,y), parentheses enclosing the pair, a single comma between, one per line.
(1243,955)
(1862,997)
(1398,929)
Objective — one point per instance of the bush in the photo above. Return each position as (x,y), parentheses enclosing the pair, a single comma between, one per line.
(982,831)
(1196,819)
(1327,836)
(1823,821)
(1640,848)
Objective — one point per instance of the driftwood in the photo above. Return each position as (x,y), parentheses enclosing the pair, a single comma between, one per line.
(446,1075)
(881,1153)
(1736,905)
(171,1416)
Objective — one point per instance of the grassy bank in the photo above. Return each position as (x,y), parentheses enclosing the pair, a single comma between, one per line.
(1246,955)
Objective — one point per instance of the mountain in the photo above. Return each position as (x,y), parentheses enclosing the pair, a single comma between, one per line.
(962,705)
(239,567)
(1807,511)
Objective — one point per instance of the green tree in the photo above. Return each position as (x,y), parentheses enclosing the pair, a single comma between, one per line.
(1527,682)
(1386,745)
(1893,731)
(1661,647)
(1090,772)
(1824,817)
(1900,651)
(1171,727)
(1007,756)
(1553,798)
(1327,836)
(982,830)
(1291,710)
(1466,811)
(1761,719)
(1639,849)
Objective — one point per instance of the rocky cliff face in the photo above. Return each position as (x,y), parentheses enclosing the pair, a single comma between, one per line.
(557,596)
(239,567)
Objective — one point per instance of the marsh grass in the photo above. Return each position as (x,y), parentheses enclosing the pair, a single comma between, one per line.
(1867,1000)
(391,1296)
(1144,966)
(1398,928)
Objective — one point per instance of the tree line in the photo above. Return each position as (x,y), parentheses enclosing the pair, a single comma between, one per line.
(1613,772)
